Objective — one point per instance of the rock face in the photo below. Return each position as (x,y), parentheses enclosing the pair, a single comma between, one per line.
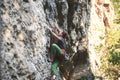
(101,16)
(25,38)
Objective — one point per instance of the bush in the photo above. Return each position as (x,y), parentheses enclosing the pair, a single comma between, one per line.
(111,61)
(116,4)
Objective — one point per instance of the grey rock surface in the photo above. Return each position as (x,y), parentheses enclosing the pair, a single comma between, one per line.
(23,40)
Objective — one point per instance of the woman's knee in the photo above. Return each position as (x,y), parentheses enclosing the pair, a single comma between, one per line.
(54,46)
(57,48)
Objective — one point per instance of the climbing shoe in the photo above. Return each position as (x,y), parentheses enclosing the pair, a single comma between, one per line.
(53,77)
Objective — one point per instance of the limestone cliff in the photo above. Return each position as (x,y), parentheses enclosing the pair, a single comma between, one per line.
(25,38)
(101,16)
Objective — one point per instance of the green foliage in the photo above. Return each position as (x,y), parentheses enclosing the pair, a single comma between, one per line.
(116,4)
(111,61)
(114,57)
(113,38)
(99,47)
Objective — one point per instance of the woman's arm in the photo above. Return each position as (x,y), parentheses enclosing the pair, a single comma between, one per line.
(57,28)
(55,36)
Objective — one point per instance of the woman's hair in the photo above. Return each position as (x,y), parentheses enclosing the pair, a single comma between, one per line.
(65,35)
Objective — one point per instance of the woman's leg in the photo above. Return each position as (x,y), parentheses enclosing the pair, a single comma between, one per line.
(54,67)
(56,51)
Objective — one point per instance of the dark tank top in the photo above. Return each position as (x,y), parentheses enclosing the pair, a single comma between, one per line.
(61,43)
